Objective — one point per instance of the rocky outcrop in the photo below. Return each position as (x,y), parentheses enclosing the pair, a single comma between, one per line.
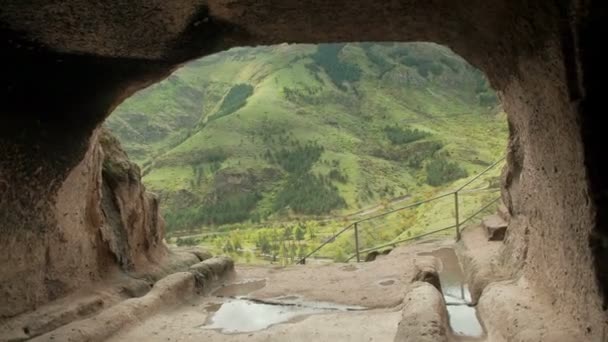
(133,228)
(101,220)
(169,291)
(208,272)
(424,316)
(174,289)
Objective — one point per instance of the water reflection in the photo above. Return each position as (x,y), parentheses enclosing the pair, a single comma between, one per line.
(463,318)
(242,315)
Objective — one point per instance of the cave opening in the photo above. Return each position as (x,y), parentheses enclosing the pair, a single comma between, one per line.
(265,153)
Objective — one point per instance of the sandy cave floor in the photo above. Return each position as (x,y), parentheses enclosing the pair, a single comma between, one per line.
(379,286)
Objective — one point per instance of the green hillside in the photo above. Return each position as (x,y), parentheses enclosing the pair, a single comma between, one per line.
(271,134)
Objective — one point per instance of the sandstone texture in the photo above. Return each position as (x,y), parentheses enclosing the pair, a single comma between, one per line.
(104,308)
(381,296)
(105,221)
(382,283)
(424,317)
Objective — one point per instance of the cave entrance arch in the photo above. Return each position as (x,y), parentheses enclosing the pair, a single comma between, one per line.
(210,139)
(69,64)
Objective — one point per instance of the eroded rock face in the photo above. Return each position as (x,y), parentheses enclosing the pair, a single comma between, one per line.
(101,219)
(133,227)
(424,317)
(69,63)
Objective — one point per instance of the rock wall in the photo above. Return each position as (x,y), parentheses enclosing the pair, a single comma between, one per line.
(101,220)
(547,192)
(133,228)
(70,63)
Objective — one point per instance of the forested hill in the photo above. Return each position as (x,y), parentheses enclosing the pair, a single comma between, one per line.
(272,133)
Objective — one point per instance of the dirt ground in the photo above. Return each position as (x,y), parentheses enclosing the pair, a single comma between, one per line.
(379,286)
(374,301)
(184,325)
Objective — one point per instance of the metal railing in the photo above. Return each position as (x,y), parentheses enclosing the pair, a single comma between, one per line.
(355,226)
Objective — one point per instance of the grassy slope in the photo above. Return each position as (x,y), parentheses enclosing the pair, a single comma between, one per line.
(164,126)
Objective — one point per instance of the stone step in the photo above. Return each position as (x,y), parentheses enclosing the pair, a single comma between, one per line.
(503,212)
(495,226)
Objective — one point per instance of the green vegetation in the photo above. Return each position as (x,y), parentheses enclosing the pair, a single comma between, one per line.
(327,57)
(303,192)
(440,171)
(234,100)
(424,66)
(265,152)
(309,195)
(298,159)
(228,210)
(400,136)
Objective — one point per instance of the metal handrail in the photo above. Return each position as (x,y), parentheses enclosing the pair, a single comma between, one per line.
(482,209)
(394,243)
(481,173)
(303,260)
(406,207)
(457,224)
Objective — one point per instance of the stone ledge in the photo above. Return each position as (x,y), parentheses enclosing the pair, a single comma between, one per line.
(514,311)
(209,271)
(424,316)
(167,292)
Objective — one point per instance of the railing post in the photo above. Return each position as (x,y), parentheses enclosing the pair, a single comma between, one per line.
(357,242)
(457,217)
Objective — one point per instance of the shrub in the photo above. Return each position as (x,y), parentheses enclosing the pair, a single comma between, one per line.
(400,136)
(338,176)
(422,152)
(298,159)
(440,171)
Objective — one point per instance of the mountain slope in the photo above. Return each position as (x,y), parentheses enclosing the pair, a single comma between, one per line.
(303,130)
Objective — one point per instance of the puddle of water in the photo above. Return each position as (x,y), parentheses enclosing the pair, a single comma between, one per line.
(239,289)
(463,318)
(243,315)
(240,316)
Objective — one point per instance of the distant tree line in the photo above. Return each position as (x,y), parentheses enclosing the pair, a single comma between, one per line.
(236,208)
(424,66)
(327,56)
(303,192)
(382,63)
(309,194)
(399,136)
(297,159)
(235,99)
